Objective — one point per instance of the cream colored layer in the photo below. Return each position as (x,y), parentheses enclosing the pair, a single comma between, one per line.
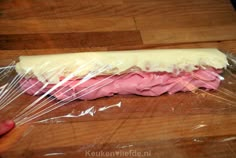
(52,67)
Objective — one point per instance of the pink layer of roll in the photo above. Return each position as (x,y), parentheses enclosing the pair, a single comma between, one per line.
(139,83)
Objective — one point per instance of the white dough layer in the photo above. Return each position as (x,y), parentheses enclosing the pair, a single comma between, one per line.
(51,67)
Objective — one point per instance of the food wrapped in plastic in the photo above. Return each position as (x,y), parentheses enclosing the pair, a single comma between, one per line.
(141,102)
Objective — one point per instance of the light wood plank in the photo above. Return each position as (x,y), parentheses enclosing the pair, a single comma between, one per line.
(187,28)
(183,35)
(186,21)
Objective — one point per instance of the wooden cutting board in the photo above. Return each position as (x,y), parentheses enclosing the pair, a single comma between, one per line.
(183,125)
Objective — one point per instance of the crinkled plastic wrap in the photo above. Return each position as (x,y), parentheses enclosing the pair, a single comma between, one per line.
(66,119)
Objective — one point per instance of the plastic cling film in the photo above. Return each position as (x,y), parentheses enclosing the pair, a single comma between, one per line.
(71,88)
(189,113)
(18,86)
(56,86)
(75,113)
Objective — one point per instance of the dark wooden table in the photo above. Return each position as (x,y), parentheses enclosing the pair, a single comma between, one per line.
(180,126)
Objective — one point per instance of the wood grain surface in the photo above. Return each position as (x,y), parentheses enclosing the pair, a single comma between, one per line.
(198,124)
